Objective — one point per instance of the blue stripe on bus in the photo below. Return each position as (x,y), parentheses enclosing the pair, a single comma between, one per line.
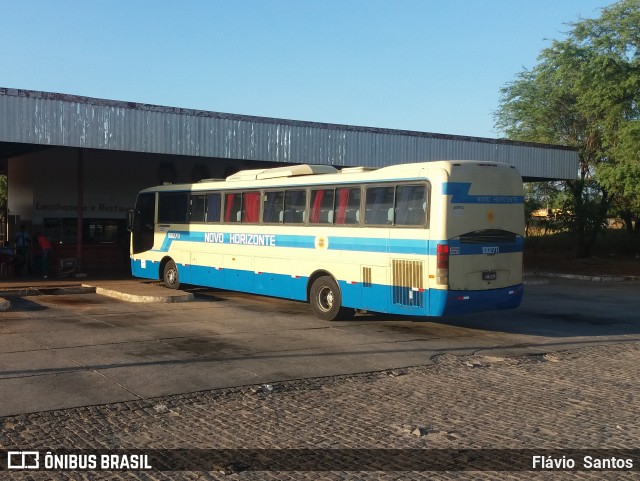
(374,297)
(374,244)
(459,192)
(297,241)
(358,244)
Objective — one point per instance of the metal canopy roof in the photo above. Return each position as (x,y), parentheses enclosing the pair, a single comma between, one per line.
(31,119)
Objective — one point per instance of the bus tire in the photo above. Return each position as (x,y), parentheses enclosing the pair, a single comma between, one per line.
(326,300)
(170,275)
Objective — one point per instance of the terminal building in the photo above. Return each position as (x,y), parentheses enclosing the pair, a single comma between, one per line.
(75,164)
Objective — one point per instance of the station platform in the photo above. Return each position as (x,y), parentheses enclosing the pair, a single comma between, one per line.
(130,290)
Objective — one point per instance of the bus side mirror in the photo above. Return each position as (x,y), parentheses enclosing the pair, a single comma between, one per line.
(130,220)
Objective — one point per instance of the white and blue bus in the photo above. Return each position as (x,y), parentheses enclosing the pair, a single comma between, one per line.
(422,239)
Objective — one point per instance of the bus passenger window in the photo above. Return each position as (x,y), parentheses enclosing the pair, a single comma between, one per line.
(322,206)
(294,206)
(213,207)
(232,207)
(251,207)
(273,211)
(411,205)
(173,207)
(348,211)
(378,202)
(197,208)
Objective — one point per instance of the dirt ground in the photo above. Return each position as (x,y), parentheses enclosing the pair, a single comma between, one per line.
(606,265)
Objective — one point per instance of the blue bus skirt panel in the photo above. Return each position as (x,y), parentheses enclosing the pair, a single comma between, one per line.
(427,302)
(370,297)
(146,269)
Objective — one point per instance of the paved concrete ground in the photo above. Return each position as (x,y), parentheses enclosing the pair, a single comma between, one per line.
(578,399)
(120,367)
(60,351)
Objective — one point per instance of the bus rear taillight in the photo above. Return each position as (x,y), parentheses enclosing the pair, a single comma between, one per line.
(442,264)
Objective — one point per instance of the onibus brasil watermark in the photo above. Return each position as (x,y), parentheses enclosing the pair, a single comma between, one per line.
(320,459)
(34,460)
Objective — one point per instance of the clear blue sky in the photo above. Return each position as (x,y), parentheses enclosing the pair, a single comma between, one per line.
(426,65)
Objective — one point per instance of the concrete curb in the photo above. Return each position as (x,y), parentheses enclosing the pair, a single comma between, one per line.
(177,296)
(5,305)
(536,282)
(580,277)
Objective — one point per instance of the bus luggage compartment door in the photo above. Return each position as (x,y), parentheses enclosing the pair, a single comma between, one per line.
(238,274)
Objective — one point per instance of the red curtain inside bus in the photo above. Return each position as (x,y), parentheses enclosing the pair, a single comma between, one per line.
(343,201)
(229,207)
(252,207)
(317,203)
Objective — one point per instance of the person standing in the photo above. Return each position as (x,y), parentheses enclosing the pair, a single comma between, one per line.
(45,246)
(22,242)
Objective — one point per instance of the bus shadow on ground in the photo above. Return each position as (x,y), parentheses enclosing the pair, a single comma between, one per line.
(534,318)
(23,304)
(545,324)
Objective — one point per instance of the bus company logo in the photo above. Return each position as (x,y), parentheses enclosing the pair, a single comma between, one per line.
(321,242)
(490,215)
(23,460)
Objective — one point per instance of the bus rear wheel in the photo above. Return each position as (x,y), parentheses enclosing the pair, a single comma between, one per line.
(326,300)
(170,275)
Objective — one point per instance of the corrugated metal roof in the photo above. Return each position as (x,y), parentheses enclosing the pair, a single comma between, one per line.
(43,118)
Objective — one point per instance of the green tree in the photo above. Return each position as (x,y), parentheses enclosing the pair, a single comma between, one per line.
(585,93)
(541,197)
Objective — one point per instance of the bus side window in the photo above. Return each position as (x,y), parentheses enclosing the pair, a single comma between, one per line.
(378,201)
(251,207)
(213,207)
(294,206)
(321,207)
(197,208)
(232,207)
(411,205)
(348,208)
(273,210)
(173,207)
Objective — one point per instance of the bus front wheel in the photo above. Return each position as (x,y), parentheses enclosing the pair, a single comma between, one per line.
(170,275)
(326,300)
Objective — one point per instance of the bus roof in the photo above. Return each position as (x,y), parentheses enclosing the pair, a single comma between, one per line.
(279,172)
(321,174)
